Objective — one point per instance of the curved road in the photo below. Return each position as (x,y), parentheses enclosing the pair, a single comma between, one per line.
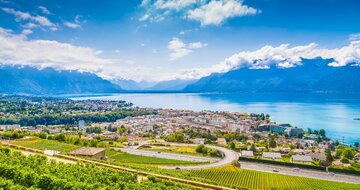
(229,157)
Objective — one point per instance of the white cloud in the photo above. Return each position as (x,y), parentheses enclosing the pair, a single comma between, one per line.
(282,56)
(44,10)
(145,17)
(117,51)
(18,50)
(75,24)
(30,25)
(72,24)
(25,16)
(216,12)
(173,4)
(179,49)
(207,12)
(26,32)
(145,3)
(354,37)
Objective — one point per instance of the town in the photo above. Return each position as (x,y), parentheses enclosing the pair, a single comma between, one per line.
(119,133)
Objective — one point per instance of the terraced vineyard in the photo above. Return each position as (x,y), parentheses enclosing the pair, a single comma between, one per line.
(238,178)
(18,171)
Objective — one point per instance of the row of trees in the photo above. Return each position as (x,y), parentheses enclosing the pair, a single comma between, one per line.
(56,119)
(208,151)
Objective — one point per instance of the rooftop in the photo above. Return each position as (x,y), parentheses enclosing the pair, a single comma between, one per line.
(87,151)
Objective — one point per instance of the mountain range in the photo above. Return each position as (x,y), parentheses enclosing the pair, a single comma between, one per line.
(29,80)
(311,76)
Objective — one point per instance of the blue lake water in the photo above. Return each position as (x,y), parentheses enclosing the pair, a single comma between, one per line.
(335,113)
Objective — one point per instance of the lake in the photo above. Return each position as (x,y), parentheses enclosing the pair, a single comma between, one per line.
(335,113)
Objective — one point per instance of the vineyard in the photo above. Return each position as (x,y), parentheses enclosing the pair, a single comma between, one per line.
(18,171)
(239,178)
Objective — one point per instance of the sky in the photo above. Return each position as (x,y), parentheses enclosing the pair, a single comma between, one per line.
(157,40)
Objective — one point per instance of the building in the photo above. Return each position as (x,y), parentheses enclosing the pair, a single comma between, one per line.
(320,156)
(265,127)
(294,131)
(246,153)
(9,127)
(199,141)
(97,153)
(221,141)
(357,156)
(81,124)
(286,129)
(301,158)
(271,155)
(277,129)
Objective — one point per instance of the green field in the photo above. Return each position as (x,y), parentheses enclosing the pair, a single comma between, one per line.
(239,178)
(121,157)
(43,144)
(188,150)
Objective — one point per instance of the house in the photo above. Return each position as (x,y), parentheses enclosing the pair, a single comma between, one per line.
(271,155)
(357,156)
(301,158)
(9,127)
(199,141)
(97,153)
(246,153)
(317,156)
(221,141)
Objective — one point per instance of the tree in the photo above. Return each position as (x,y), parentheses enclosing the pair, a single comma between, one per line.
(124,139)
(60,137)
(329,157)
(349,154)
(200,148)
(253,148)
(272,143)
(232,145)
(356,144)
(292,146)
(42,135)
(322,133)
(176,137)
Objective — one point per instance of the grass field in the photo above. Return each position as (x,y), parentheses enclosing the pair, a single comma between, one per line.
(188,150)
(122,157)
(238,178)
(43,144)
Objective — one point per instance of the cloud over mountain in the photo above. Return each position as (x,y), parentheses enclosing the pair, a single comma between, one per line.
(283,56)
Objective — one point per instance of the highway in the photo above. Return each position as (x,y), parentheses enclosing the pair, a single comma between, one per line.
(300,172)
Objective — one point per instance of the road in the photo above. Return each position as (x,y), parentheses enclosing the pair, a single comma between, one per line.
(300,172)
(229,157)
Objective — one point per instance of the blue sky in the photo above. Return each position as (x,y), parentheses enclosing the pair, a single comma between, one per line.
(166,39)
